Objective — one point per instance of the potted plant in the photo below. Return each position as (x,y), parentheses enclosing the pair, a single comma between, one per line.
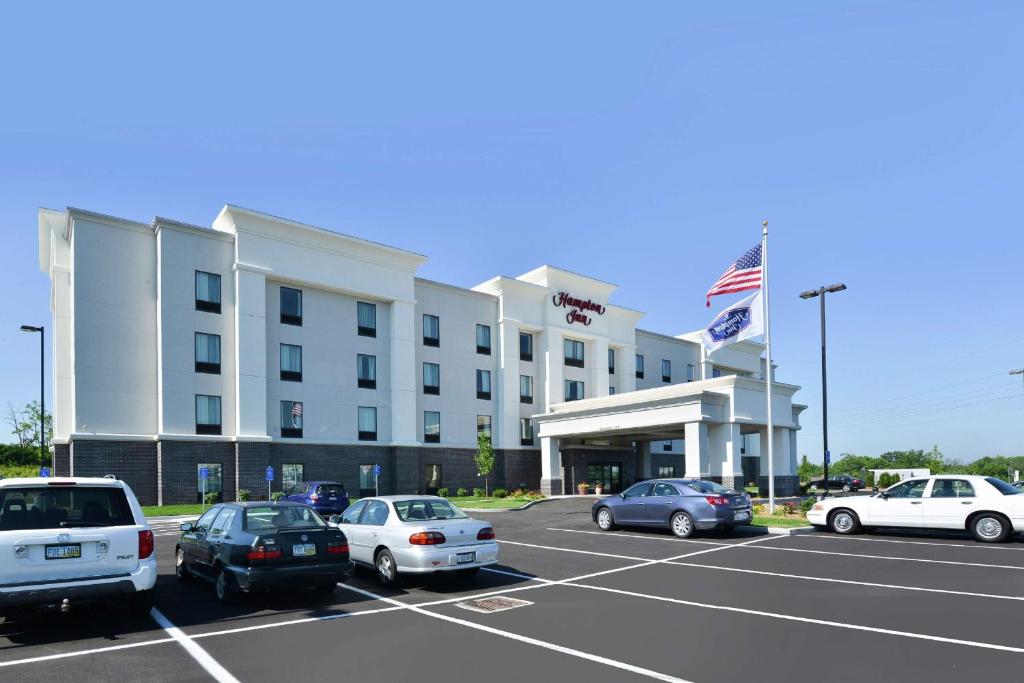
(582,487)
(598,489)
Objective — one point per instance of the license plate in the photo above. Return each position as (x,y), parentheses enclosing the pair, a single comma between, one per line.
(63,552)
(465,558)
(304,549)
(742,515)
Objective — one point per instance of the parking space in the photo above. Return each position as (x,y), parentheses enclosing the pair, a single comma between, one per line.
(626,605)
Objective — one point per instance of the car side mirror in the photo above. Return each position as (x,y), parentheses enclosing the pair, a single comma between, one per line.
(884,495)
(187,526)
(334,520)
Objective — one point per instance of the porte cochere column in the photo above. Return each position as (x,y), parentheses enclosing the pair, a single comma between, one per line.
(550,467)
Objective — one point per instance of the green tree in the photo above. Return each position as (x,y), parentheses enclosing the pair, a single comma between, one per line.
(808,470)
(24,423)
(484,457)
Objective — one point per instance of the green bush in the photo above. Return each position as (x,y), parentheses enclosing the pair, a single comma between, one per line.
(461,492)
(499,493)
(244,495)
(12,471)
(13,454)
(518,493)
(478,493)
(806,504)
(869,480)
(212,498)
(276,496)
(443,492)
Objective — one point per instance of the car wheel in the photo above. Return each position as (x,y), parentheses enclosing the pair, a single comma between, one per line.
(223,588)
(682,525)
(180,568)
(387,570)
(326,588)
(844,521)
(605,521)
(140,604)
(989,527)
(847,488)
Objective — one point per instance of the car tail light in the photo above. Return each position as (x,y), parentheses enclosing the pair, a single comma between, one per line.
(337,548)
(145,544)
(314,497)
(427,538)
(261,552)
(485,534)
(717,500)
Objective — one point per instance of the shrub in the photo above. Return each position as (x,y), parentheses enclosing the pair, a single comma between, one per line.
(806,504)
(518,493)
(276,496)
(534,495)
(443,492)
(244,495)
(499,493)
(211,498)
(478,493)
(14,454)
(869,480)
(461,492)
(758,509)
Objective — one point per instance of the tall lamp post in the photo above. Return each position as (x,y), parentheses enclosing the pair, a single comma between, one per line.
(820,292)
(42,388)
(1018,371)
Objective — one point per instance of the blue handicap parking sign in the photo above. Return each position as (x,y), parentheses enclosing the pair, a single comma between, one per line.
(270,473)
(204,472)
(44,471)
(828,458)
(376,470)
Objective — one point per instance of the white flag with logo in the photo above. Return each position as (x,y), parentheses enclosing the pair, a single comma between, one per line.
(743,320)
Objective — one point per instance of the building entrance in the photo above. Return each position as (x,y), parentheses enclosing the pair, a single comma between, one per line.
(608,475)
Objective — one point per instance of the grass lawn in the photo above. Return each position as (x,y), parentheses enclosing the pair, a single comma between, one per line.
(489,503)
(156,510)
(767,520)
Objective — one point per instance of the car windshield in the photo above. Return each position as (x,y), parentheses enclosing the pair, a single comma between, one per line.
(282,517)
(707,486)
(63,507)
(1003,487)
(427,509)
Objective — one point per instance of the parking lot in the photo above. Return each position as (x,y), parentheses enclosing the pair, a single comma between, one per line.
(621,606)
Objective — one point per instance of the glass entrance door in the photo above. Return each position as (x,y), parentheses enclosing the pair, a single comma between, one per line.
(607,475)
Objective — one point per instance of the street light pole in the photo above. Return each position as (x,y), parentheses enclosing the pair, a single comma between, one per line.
(42,388)
(820,293)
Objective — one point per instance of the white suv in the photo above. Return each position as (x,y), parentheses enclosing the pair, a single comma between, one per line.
(73,540)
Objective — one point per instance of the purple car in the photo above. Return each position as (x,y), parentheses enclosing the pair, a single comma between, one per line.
(682,505)
(326,497)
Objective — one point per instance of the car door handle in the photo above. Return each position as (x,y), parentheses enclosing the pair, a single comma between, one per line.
(966,502)
(915,502)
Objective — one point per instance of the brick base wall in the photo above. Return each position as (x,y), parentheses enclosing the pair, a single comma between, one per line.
(734,482)
(178,469)
(133,462)
(668,460)
(521,470)
(62,460)
(785,485)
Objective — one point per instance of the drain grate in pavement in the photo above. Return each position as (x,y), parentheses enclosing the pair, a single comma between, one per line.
(488,605)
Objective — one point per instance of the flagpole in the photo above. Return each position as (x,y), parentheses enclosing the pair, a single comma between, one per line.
(768,373)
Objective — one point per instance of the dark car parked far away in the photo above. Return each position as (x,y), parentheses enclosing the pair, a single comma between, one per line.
(682,505)
(246,547)
(840,482)
(326,497)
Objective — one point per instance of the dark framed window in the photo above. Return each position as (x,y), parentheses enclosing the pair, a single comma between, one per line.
(483,384)
(715,372)
(666,370)
(214,484)
(483,425)
(691,372)
(367,481)
(431,378)
(207,292)
(573,390)
(667,446)
(431,426)
(366,371)
(207,414)
(291,363)
(291,306)
(431,330)
(611,361)
(525,431)
(208,353)
(366,319)
(525,389)
(573,352)
(291,475)
(432,479)
(666,471)
(639,366)
(291,419)
(525,346)
(483,339)
(367,423)
(611,391)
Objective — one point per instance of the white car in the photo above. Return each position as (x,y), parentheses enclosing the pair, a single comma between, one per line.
(65,541)
(989,508)
(415,535)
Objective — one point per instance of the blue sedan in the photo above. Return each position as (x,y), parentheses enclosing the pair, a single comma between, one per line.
(682,505)
(326,497)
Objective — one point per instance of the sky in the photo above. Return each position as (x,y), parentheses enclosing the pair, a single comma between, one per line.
(638,143)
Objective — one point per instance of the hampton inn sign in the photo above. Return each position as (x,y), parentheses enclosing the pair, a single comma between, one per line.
(576,307)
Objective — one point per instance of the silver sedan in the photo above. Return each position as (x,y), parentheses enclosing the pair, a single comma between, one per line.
(415,535)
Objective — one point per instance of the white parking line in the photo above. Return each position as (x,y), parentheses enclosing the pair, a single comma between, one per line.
(976,546)
(202,657)
(572,550)
(78,653)
(806,620)
(649,537)
(887,557)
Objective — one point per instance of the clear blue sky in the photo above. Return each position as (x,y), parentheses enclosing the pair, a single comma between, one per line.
(639,143)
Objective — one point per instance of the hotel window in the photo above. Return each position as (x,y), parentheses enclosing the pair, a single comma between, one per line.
(366,315)
(431,330)
(367,423)
(639,366)
(667,446)
(291,475)
(214,482)
(483,339)
(291,306)
(611,361)
(525,389)
(573,390)
(715,372)
(573,352)
(367,481)
(431,378)
(483,425)
(208,353)
(291,363)
(291,419)
(431,426)
(207,292)
(666,370)
(525,431)
(666,471)
(207,414)
(525,346)
(432,479)
(611,391)
(483,384)
(366,371)
(691,372)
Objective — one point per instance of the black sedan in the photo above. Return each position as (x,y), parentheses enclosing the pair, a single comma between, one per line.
(840,482)
(249,547)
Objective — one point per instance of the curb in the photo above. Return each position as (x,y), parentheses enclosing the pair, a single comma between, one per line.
(789,531)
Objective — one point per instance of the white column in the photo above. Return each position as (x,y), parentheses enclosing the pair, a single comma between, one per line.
(550,467)
(697,449)
(793,465)
(403,373)
(552,360)
(732,466)
(506,407)
(251,353)
(645,460)
(599,368)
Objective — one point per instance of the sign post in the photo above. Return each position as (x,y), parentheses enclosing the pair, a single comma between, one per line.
(270,479)
(376,480)
(44,471)
(204,475)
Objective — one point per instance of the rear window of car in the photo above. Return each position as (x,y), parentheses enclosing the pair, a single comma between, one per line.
(63,507)
(331,490)
(702,486)
(1003,487)
(427,509)
(262,517)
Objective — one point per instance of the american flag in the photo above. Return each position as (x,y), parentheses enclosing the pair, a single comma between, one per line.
(743,275)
